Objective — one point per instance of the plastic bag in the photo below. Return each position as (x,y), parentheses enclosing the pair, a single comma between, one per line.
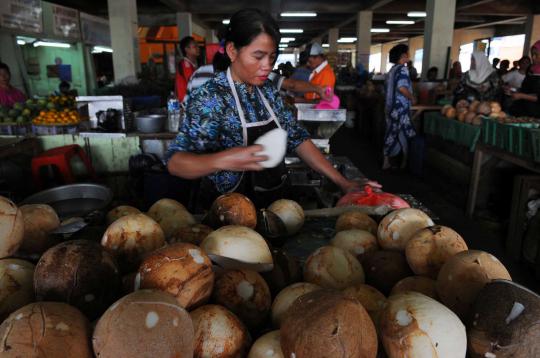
(368,197)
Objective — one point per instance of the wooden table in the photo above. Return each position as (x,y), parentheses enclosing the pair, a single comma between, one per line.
(484,149)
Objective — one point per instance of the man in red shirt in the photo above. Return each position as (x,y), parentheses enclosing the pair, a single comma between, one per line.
(322,74)
(186,67)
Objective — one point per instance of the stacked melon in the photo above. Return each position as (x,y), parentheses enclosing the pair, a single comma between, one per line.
(473,112)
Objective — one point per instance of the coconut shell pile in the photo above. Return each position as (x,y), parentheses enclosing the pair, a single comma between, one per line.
(473,112)
(161,284)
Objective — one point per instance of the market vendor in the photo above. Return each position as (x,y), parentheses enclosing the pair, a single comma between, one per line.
(527,100)
(187,66)
(228,113)
(481,82)
(9,95)
(322,74)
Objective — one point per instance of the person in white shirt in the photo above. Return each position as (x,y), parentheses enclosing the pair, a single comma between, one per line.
(514,79)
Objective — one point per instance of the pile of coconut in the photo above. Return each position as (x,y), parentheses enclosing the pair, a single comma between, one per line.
(473,112)
(161,284)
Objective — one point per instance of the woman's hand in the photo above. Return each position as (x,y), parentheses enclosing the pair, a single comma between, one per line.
(326,93)
(241,159)
(358,185)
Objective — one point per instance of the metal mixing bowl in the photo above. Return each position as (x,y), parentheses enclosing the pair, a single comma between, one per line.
(150,123)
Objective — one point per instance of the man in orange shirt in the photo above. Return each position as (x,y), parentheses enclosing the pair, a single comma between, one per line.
(322,74)
(186,66)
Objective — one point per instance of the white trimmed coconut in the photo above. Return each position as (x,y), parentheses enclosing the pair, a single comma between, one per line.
(218,333)
(325,323)
(420,284)
(170,215)
(39,221)
(356,242)
(132,236)
(371,298)
(356,220)
(290,212)
(430,248)
(11,227)
(267,346)
(464,275)
(16,285)
(399,226)
(286,297)
(46,329)
(119,211)
(145,323)
(239,243)
(244,293)
(332,267)
(505,322)
(414,325)
(181,269)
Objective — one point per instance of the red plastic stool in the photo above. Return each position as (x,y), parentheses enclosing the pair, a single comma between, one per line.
(60,158)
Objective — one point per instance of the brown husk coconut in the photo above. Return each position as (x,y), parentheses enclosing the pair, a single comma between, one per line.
(16,285)
(246,294)
(11,227)
(396,228)
(431,247)
(81,273)
(145,323)
(286,298)
(423,285)
(46,329)
(463,276)
(505,322)
(194,234)
(232,209)
(181,269)
(371,298)
(170,215)
(39,221)
(332,267)
(414,325)
(325,323)
(119,211)
(384,269)
(131,237)
(218,333)
(356,220)
(267,346)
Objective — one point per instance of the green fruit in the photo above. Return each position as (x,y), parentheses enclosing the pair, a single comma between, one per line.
(29,102)
(13,113)
(19,106)
(51,105)
(20,119)
(26,112)
(42,102)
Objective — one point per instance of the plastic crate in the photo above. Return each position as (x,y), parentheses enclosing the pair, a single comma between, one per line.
(515,138)
(535,139)
(15,129)
(492,133)
(55,129)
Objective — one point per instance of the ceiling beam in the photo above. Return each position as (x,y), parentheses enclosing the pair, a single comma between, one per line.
(175,5)
(512,21)
(465,4)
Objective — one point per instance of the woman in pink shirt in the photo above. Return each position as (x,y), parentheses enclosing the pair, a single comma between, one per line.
(8,94)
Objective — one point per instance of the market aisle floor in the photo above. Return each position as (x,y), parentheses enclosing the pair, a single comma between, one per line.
(478,235)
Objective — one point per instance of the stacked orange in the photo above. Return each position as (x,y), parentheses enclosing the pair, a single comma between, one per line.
(54,117)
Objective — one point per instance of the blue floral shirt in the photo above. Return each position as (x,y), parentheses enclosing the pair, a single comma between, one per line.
(211,123)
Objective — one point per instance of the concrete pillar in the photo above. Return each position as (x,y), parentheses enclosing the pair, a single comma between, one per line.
(439,31)
(364,21)
(532,33)
(124,40)
(184,23)
(333,36)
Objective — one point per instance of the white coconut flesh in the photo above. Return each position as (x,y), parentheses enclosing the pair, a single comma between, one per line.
(422,327)
(267,346)
(290,212)
(357,242)
(274,145)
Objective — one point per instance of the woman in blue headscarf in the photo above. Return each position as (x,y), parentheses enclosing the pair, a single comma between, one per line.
(399,98)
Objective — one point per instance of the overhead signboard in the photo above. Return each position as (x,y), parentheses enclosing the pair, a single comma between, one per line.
(24,15)
(65,21)
(95,30)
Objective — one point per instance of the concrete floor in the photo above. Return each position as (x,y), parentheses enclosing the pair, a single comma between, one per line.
(434,192)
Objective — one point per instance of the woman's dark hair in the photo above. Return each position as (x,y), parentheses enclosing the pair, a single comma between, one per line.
(247,24)
(5,67)
(184,43)
(397,51)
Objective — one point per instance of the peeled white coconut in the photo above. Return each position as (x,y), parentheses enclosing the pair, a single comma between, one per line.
(267,346)
(238,243)
(119,211)
(414,325)
(11,227)
(171,216)
(286,297)
(396,228)
(357,242)
(332,267)
(290,212)
(274,147)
